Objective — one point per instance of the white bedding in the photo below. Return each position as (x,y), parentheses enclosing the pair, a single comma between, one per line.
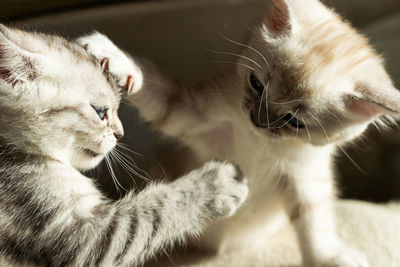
(374,229)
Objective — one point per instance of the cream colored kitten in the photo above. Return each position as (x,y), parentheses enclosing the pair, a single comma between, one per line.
(311,84)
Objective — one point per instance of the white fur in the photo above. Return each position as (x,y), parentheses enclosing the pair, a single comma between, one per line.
(102,47)
(290,172)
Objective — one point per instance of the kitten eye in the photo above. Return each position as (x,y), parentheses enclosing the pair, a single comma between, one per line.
(293,121)
(101,111)
(256,84)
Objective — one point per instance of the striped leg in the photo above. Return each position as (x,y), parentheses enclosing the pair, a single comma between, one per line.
(86,230)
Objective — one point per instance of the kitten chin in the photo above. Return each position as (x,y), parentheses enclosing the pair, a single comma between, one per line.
(86,159)
(90,153)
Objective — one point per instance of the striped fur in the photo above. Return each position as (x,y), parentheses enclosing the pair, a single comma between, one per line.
(50,129)
(43,224)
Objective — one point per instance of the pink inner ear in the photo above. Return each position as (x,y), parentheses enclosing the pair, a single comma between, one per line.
(29,71)
(278,18)
(374,101)
(365,108)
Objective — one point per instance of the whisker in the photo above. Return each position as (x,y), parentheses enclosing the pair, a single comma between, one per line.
(278,184)
(130,167)
(135,169)
(129,159)
(151,81)
(289,120)
(340,121)
(233,54)
(337,118)
(343,151)
(281,117)
(235,63)
(352,160)
(122,165)
(124,146)
(259,106)
(114,160)
(266,103)
(308,132)
(284,103)
(320,124)
(113,176)
(247,46)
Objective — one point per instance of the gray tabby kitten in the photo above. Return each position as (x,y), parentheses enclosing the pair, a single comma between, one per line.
(306,84)
(59,116)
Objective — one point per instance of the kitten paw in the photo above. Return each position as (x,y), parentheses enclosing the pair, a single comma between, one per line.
(345,257)
(128,74)
(228,187)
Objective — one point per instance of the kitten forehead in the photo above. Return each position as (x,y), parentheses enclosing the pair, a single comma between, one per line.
(73,64)
(329,52)
(319,49)
(80,82)
(331,46)
(63,58)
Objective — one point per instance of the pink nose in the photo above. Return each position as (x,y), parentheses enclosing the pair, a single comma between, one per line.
(118,135)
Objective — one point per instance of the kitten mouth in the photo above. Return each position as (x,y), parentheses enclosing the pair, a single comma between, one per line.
(257,121)
(90,153)
(260,119)
(257,117)
(270,131)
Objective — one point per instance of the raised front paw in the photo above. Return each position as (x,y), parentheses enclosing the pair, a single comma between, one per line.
(114,60)
(227,187)
(344,257)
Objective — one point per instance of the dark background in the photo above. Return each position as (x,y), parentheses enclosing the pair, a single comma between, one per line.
(378,155)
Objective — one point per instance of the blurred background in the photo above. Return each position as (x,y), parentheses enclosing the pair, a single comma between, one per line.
(176,34)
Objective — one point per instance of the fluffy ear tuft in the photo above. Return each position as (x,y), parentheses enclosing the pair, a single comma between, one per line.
(16,64)
(373,102)
(277,20)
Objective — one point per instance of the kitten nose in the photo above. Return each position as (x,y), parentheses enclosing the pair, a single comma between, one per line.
(118,135)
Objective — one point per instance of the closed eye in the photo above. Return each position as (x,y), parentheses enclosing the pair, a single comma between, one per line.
(101,111)
(293,121)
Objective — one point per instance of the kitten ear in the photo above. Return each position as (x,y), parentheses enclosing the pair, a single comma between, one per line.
(16,63)
(373,102)
(277,20)
(105,65)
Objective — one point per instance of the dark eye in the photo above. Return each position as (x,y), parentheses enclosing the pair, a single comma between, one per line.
(293,121)
(101,111)
(256,84)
